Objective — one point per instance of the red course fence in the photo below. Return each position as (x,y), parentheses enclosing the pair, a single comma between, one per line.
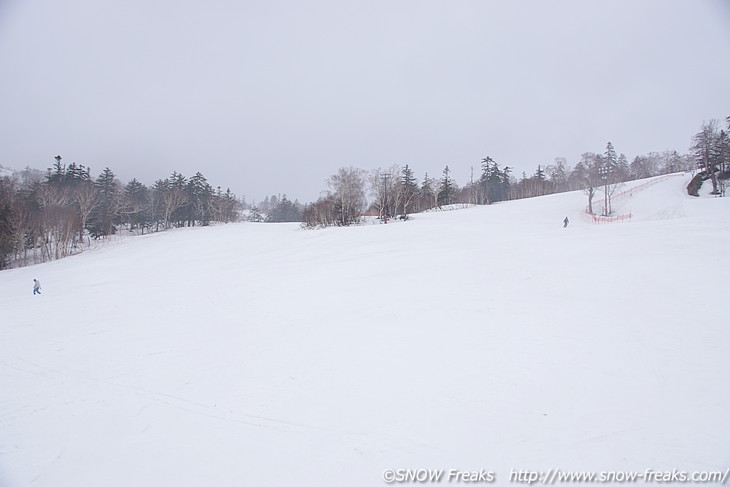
(630,191)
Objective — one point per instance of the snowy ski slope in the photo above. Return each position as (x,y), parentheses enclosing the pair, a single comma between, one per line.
(484,338)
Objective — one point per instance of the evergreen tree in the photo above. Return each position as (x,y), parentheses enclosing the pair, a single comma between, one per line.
(622,168)
(199,194)
(610,158)
(285,211)
(540,174)
(428,192)
(409,189)
(495,181)
(77,173)
(136,208)
(8,226)
(57,173)
(446,188)
(157,198)
(255,215)
(105,214)
(176,200)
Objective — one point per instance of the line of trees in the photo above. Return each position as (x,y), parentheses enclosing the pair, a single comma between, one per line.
(284,210)
(46,217)
(274,209)
(395,192)
(52,215)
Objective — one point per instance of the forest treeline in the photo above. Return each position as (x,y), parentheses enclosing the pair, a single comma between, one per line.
(395,192)
(46,217)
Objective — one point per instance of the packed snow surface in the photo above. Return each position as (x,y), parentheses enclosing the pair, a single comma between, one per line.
(484,338)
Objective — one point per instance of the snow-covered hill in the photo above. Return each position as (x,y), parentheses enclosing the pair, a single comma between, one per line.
(485,338)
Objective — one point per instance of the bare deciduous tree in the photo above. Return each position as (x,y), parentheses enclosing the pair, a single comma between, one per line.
(703,148)
(586,172)
(348,191)
(172,200)
(86,198)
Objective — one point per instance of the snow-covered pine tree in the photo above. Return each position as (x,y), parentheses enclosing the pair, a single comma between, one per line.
(136,208)
(105,214)
(409,190)
(446,188)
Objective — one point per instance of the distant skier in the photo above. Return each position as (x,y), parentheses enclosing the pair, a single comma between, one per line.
(36,286)
(565,222)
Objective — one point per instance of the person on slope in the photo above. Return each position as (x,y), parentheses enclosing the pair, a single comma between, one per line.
(36,286)
(565,222)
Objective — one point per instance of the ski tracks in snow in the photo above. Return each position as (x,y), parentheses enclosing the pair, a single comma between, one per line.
(362,443)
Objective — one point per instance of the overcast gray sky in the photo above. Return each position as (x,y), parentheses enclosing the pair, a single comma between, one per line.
(273,96)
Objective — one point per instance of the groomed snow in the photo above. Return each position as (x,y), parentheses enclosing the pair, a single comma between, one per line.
(484,338)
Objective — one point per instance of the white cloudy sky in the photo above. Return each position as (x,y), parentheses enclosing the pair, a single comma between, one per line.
(273,96)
